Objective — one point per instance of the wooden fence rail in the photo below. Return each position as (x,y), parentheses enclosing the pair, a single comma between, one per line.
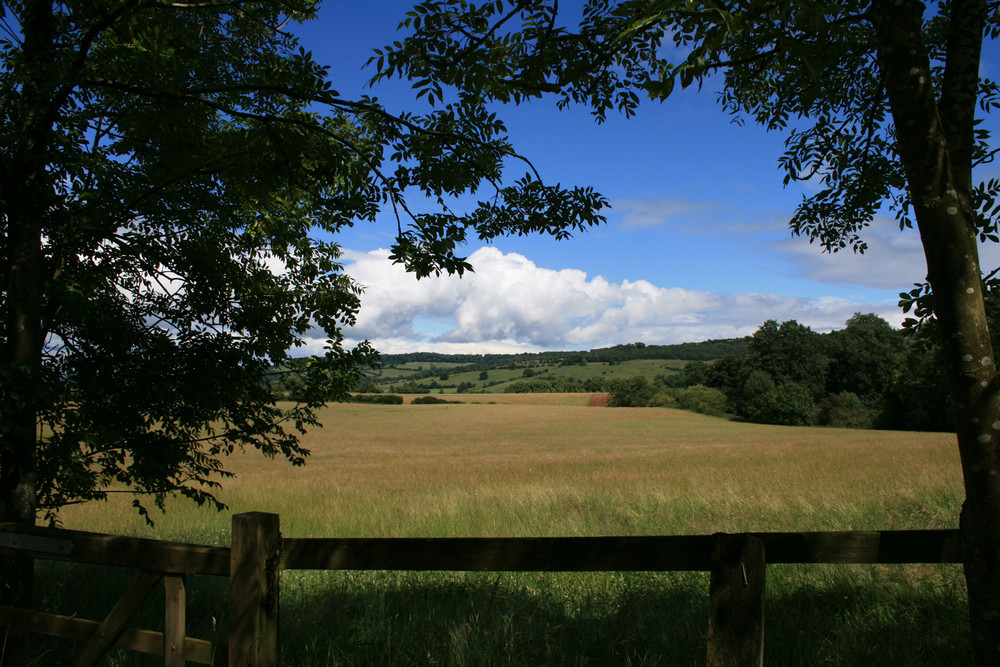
(595,554)
(737,564)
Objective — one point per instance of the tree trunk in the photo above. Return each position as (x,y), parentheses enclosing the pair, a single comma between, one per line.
(27,201)
(19,407)
(939,176)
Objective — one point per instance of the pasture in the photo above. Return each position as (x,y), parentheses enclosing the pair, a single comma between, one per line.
(428,375)
(538,465)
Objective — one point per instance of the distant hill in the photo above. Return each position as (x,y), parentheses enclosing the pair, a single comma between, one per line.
(705,351)
(423,372)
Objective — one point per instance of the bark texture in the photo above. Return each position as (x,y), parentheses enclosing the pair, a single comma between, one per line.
(937,158)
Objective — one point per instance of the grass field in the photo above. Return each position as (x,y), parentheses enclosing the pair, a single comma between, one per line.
(549,465)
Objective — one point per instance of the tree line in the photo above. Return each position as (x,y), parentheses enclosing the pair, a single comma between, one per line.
(704,351)
(866,375)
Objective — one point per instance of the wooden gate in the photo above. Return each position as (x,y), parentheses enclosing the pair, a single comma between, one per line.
(156,561)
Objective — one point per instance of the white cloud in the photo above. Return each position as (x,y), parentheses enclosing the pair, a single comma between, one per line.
(637,213)
(510,304)
(894,259)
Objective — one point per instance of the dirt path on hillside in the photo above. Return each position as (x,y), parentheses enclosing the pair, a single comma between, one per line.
(599,401)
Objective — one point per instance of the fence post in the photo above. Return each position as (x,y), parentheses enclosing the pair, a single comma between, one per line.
(174,620)
(736,602)
(253,590)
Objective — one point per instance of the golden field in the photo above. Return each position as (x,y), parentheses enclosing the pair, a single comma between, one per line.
(523,464)
(517,464)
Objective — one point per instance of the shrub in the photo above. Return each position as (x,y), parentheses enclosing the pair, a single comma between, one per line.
(541,386)
(381,399)
(430,400)
(633,392)
(529,387)
(704,400)
(663,400)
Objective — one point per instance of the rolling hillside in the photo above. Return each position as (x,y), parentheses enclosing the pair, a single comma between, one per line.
(424,372)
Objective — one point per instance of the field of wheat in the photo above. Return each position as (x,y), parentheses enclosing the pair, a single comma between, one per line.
(513,465)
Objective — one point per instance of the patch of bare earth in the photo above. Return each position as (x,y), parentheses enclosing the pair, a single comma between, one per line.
(599,401)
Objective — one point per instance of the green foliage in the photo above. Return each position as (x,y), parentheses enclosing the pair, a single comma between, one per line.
(694,372)
(431,400)
(664,399)
(538,386)
(789,353)
(730,374)
(549,369)
(863,356)
(759,392)
(790,375)
(377,399)
(633,392)
(917,397)
(702,399)
(787,404)
(704,351)
(777,378)
(845,410)
(409,388)
(894,385)
(172,176)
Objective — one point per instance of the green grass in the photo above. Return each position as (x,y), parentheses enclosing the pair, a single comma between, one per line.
(561,468)
(845,615)
(500,378)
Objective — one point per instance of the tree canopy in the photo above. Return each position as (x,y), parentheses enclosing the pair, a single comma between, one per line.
(173,176)
(789,374)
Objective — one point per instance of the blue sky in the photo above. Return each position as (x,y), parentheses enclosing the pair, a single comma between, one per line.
(696,245)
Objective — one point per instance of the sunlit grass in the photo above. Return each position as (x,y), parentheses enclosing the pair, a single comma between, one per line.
(542,470)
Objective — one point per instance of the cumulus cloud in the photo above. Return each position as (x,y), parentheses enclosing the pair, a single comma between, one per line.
(510,305)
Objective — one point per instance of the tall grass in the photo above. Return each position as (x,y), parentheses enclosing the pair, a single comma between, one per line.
(522,469)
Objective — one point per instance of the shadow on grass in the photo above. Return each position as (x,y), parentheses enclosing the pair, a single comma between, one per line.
(858,615)
(814,616)
(508,619)
(867,615)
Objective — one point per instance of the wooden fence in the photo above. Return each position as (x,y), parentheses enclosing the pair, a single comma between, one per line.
(259,553)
